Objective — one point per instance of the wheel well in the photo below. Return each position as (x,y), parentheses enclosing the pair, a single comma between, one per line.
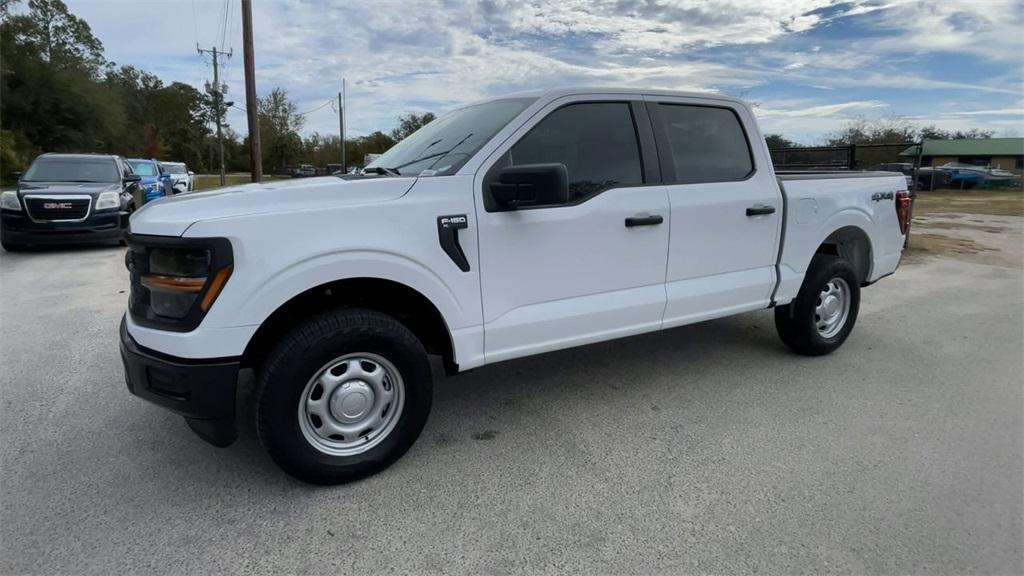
(407,305)
(851,244)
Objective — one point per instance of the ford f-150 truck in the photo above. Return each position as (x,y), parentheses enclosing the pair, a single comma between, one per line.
(502,229)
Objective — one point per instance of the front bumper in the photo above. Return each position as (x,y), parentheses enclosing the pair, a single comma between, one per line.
(203,391)
(18,228)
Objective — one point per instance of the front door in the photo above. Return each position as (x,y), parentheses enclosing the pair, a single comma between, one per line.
(574,272)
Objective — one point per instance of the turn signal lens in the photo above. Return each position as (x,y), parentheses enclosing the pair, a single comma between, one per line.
(219,279)
(173,283)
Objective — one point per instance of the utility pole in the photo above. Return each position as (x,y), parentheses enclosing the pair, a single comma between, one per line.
(218,96)
(341,124)
(255,156)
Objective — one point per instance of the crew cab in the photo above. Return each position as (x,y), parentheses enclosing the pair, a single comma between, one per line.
(68,198)
(502,229)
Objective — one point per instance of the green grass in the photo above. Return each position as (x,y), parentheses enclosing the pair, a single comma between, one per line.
(210,181)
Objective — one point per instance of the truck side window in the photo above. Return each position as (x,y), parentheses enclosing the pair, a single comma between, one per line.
(596,141)
(708,144)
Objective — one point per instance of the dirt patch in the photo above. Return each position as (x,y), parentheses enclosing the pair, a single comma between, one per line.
(982,238)
(1001,203)
(968,225)
(926,244)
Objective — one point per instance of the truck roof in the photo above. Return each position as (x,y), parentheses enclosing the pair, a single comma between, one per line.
(553,93)
(77,155)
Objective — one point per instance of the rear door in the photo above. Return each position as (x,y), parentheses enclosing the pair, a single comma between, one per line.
(726,209)
(560,275)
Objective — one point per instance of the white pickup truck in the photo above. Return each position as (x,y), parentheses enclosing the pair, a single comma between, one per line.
(502,229)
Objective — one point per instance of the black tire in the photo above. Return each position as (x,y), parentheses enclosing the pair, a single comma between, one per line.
(796,322)
(305,351)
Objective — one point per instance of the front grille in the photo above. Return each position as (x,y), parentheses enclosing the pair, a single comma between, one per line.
(57,208)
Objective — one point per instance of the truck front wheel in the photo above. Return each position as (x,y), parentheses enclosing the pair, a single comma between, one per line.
(343,396)
(823,313)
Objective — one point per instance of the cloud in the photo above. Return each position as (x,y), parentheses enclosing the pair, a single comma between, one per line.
(419,55)
(823,111)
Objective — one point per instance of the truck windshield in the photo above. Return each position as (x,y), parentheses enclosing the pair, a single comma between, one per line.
(72,170)
(443,146)
(174,168)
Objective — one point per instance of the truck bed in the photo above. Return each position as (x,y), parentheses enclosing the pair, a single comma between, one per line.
(786,175)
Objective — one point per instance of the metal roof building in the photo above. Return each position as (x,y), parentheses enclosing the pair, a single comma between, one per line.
(1005,153)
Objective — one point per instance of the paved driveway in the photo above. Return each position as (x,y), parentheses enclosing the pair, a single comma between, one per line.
(708,448)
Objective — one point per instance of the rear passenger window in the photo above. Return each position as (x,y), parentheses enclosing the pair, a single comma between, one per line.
(708,144)
(596,141)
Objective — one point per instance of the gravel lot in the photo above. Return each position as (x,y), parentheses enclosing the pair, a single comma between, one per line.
(708,448)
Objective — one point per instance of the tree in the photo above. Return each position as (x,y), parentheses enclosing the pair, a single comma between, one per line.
(881,131)
(775,141)
(49,65)
(135,93)
(180,122)
(59,37)
(934,133)
(279,130)
(409,123)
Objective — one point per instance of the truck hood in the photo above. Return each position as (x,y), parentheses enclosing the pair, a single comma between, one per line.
(90,188)
(172,215)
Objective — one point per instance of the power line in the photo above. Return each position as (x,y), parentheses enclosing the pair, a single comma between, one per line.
(224,26)
(329,101)
(195,23)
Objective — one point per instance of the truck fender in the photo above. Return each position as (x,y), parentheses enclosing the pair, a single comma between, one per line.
(803,242)
(327,268)
(847,218)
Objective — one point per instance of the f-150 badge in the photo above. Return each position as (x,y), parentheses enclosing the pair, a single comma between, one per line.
(448,234)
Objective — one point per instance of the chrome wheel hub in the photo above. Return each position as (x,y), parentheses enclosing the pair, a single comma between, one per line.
(351,404)
(833,308)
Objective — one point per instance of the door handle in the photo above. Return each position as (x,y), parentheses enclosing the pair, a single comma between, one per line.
(643,220)
(760,210)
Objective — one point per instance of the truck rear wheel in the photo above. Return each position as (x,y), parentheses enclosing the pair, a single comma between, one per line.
(823,313)
(343,396)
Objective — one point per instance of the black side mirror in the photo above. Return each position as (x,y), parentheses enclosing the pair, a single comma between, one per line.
(132,178)
(16,175)
(530,185)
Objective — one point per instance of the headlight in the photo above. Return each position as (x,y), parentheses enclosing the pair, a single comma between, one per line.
(108,200)
(177,277)
(174,281)
(9,201)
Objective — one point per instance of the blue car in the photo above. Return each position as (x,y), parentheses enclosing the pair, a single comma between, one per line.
(153,178)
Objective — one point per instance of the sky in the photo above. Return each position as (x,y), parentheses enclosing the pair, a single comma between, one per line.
(807,66)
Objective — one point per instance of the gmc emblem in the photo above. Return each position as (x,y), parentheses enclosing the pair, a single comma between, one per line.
(58,205)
